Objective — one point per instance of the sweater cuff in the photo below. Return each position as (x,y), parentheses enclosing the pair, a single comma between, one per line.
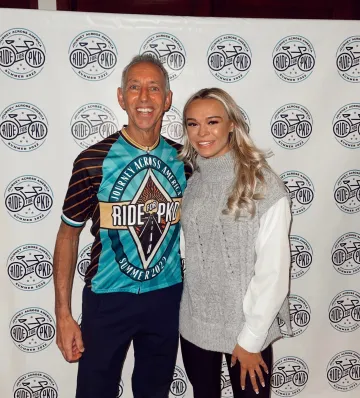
(249,341)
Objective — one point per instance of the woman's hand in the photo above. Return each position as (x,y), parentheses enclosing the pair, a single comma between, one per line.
(249,362)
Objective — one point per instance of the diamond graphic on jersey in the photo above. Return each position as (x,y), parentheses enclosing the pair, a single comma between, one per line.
(157,207)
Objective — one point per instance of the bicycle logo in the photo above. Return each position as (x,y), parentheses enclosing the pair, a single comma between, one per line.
(32,329)
(347,192)
(294,59)
(344,311)
(22,54)
(299,316)
(291,126)
(84,260)
(28,199)
(348,59)
(346,126)
(92,123)
(301,256)
(121,389)
(35,385)
(229,58)
(169,50)
(226,387)
(93,55)
(178,386)
(345,254)
(24,129)
(30,267)
(301,190)
(172,125)
(290,375)
(343,372)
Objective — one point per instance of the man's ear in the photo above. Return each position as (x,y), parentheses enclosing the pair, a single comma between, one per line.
(120,97)
(168,100)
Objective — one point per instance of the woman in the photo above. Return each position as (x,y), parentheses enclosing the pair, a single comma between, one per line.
(236,218)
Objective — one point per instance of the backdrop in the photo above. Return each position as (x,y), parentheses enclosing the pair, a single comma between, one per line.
(297,84)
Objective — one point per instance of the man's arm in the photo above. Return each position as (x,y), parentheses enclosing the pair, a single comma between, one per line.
(68,334)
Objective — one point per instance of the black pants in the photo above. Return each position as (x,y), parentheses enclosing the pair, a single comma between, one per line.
(110,322)
(204,372)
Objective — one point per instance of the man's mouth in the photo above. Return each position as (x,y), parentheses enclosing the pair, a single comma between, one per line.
(145,111)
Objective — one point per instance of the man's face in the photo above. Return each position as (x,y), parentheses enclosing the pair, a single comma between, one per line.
(144,97)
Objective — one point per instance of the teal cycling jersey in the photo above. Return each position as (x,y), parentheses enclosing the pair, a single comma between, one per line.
(133,196)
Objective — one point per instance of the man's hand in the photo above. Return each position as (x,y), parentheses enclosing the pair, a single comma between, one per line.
(249,362)
(68,338)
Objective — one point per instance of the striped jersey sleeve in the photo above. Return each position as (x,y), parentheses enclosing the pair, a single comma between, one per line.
(79,204)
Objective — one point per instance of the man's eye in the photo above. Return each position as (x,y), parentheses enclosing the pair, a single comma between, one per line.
(133,87)
(154,88)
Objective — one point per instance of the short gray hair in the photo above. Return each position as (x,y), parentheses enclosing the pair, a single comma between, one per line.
(148,58)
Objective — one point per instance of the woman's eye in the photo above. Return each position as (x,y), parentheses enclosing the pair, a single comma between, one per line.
(191,124)
(213,122)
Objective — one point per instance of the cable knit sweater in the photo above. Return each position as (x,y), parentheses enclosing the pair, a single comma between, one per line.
(220,257)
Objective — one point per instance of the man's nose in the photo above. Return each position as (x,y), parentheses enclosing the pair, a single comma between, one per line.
(144,94)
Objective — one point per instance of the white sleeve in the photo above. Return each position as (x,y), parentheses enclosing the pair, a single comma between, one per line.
(270,283)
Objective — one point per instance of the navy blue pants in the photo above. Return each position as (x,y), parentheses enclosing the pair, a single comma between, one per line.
(110,322)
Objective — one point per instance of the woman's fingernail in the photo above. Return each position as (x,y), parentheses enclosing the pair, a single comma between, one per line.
(243,388)
(257,391)
(267,372)
(263,384)
(232,364)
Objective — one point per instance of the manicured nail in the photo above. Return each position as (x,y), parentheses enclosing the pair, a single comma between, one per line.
(257,391)
(243,388)
(263,384)
(232,364)
(267,372)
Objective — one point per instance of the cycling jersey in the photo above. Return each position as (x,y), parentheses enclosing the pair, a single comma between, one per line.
(133,196)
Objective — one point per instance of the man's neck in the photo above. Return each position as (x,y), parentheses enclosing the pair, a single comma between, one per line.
(146,138)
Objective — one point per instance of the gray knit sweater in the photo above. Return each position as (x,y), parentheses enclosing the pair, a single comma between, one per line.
(220,257)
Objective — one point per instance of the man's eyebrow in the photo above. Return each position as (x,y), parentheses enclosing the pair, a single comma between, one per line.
(138,81)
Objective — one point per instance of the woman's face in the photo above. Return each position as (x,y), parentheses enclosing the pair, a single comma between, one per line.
(208,127)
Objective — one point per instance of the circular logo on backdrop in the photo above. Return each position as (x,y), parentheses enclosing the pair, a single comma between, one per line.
(344,311)
(300,315)
(294,59)
(346,126)
(172,125)
(226,388)
(84,260)
(169,50)
(301,190)
(301,256)
(30,267)
(28,199)
(92,123)
(22,54)
(23,127)
(93,55)
(345,254)
(35,384)
(289,377)
(32,329)
(179,385)
(229,58)
(291,126)
(347,192)
(343,371)
(348,59)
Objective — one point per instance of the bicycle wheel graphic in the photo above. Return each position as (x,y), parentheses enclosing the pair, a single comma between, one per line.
(44,265)
(334,374)
(238,64)
(107,128)
(300,378)
(216,61)
(341,194)
(303,66)
(50,331)
(83,266)
(22,393)
(35,58)
(355,372)
(355,313)
(302,318)
(151,53)
(80,130)
(342,128)
(303,259)
(356,256)
(336,314)
(175,60)
(344,62)
(277,380)
(281,62)
(14,202)
(9,130)
(48,392)
(19,333)
(279,129)
(9,60)
(37,130)
(104,57)
(20,271)
(43,202)
(79,58)
(304,195)
(303,129)
(338,257)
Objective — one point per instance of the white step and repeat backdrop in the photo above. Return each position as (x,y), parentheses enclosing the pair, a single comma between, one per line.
(298,85)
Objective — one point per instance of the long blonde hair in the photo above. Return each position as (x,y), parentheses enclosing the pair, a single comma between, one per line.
(249,184)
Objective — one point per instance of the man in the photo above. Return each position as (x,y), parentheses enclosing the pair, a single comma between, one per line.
(130,185)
